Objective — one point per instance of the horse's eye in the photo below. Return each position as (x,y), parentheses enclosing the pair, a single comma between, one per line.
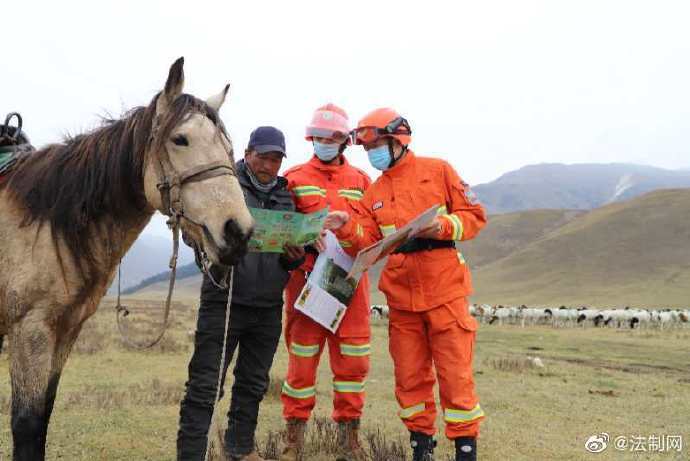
(180,140)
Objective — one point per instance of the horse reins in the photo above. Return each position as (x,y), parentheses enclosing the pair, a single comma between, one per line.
(170,184)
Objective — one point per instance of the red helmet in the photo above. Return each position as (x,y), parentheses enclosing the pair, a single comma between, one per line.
(384,122)
(329,121)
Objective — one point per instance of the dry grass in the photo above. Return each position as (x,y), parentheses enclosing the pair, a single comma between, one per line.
(275,388)
(154,393)
(321,439)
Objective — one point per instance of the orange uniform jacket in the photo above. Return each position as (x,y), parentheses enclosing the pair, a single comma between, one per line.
(316,185)
(425,279)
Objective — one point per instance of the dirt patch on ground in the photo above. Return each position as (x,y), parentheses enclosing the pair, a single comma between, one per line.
(629,368)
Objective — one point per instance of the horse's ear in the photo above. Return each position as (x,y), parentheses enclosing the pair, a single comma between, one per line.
(173,87)
(217,100)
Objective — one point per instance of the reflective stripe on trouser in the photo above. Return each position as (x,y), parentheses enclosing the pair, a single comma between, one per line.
(441,338)
(349,359)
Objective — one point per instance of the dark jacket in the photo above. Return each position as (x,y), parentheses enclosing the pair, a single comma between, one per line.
(259,278)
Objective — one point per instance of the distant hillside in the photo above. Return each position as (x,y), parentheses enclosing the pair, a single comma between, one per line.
(631,253)
(575,187)
(507,233)
(148,256)
(183,272)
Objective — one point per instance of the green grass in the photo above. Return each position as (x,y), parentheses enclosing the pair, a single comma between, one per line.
(117,404)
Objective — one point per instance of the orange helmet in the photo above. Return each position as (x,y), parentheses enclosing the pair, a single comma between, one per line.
(384,122)
(329,121)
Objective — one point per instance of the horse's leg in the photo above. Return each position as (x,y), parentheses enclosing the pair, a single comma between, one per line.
(32,405)
(33,347)
(2,339)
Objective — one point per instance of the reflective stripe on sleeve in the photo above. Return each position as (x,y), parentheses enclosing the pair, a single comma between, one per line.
(359,230)
(456,223)
(305,191)
(352,194)
(387,229)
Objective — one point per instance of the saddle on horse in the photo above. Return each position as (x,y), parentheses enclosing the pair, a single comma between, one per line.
(14,143)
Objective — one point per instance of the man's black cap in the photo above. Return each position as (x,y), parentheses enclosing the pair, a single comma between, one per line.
(267,139)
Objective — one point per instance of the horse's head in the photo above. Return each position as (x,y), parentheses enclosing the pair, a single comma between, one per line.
(189,172)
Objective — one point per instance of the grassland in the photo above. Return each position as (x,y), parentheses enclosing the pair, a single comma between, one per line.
(118,404)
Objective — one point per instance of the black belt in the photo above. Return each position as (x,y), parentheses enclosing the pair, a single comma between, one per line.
(420,244)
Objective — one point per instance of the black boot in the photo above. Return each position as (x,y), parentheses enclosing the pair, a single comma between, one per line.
(465,449)
(422,446)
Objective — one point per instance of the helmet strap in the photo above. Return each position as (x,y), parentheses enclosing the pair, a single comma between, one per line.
(392,152)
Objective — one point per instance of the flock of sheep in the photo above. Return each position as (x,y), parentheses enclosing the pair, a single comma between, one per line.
(569,317)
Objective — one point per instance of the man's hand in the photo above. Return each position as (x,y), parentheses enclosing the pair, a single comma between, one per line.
(293,253)
(335,220)
(431,231)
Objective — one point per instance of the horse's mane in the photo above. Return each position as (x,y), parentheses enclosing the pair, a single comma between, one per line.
(73,185)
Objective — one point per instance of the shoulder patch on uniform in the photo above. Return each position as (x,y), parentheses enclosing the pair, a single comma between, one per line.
(377,206)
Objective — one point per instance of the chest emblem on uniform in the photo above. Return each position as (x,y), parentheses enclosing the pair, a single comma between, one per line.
(377,206)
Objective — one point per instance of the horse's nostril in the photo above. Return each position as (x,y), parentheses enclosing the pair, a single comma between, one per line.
(232,231)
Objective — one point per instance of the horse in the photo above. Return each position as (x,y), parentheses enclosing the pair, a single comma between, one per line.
(70,211)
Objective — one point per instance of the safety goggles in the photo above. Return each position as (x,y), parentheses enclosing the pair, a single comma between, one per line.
(369,134)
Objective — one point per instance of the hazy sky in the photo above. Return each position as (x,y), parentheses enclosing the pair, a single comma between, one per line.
(489,85)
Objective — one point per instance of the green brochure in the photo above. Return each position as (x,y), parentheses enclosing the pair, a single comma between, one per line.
(273,229)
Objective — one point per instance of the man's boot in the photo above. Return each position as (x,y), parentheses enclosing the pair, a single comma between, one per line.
(465,449)
(422,446)
(294,440)
(349,448)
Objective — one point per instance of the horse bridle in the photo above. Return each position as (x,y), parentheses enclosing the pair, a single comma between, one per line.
(170,183)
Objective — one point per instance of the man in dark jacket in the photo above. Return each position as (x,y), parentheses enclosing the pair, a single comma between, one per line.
(255,317)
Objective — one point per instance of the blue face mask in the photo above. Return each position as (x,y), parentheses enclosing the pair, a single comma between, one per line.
(380,157)
(326,152)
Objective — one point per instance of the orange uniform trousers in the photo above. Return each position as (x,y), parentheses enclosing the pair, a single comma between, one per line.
(349,360)
(443,337)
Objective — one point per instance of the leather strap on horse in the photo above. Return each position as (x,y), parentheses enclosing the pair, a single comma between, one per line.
(171,199)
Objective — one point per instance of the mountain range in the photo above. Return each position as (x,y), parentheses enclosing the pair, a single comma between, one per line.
(149,256)
(574,187)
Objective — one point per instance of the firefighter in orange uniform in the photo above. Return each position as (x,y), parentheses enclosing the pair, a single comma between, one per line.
(327,180)
(426,281)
